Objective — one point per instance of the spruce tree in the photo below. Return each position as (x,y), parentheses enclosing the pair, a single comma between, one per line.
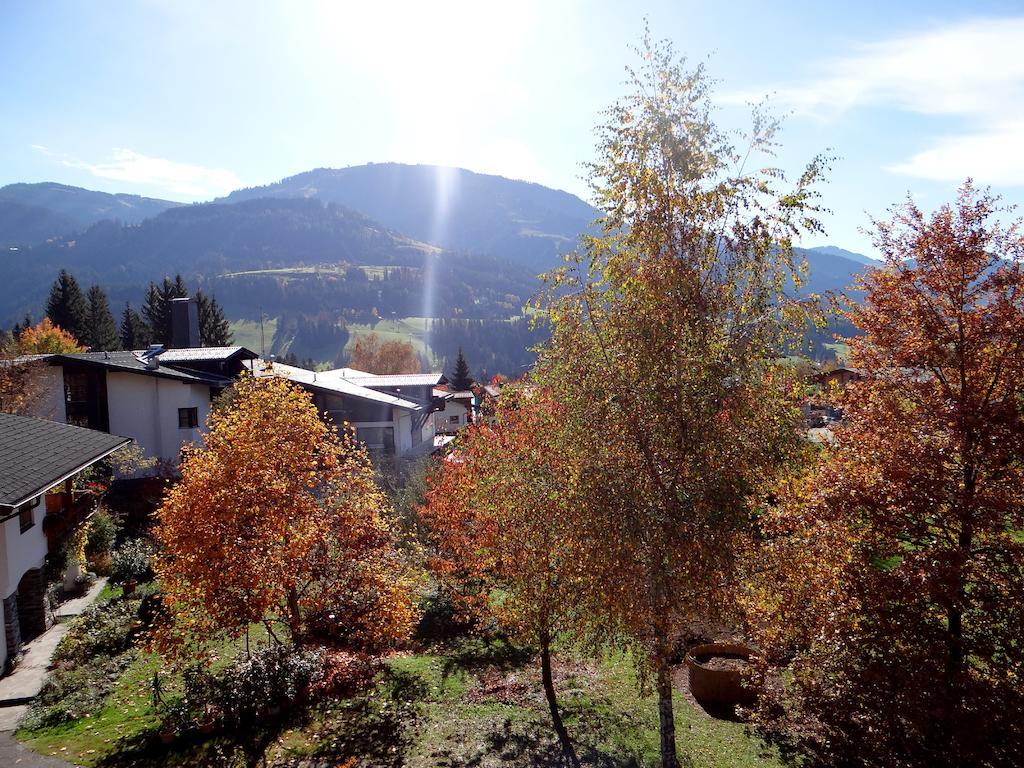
(101,332)
(67,307)
(157,307)
(214,329)
(135,333)
(462,379)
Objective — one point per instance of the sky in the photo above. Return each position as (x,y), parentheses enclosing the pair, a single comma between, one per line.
(188,100)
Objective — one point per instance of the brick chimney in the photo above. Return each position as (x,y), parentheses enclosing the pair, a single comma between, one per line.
(185,324)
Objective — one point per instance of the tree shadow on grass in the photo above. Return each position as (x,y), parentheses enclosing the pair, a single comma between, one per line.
(496,653)
(375,728)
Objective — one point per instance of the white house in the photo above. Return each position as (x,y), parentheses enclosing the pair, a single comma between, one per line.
(391,415)
(158,397)
(36,455)
(459,411)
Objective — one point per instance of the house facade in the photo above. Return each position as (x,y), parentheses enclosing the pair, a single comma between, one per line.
(460,409)
(36,456)
(391,415)
(160,398)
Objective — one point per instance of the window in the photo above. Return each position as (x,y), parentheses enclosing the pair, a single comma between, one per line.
(26,516)
(188,418)
(453,419)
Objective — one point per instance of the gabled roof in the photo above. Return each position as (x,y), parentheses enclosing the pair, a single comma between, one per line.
(131,362)
(36,455)
(330,382)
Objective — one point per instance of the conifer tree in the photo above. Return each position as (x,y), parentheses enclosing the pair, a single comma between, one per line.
(157,307)
(462,379)
(67,307)
(214,329)
(101,330)
(134,332)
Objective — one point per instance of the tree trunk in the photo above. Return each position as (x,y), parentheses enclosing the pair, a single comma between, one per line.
(666,718)
(549,694)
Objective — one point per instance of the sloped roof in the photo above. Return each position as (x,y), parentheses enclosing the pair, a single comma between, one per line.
(396,380)
(204,354)
(330,381)
(131,363)
(36,455)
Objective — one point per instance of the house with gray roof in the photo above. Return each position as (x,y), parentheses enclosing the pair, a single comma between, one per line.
(36,456)
(159,397)
(391,415)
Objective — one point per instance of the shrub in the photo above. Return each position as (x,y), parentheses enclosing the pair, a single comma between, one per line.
(270,677)
(107,629)
(132,560)
(101,534)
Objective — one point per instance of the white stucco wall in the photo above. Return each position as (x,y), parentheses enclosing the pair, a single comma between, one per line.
(19,553)
(146,408)
(442,421)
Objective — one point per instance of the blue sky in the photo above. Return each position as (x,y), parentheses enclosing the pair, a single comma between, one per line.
(187,100)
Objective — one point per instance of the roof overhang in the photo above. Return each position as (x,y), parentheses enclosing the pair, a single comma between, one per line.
(52,483)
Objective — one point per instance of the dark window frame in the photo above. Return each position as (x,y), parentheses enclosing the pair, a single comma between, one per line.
(188,418)
(26,514)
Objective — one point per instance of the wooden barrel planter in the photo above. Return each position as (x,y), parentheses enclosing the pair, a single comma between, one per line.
(716,674)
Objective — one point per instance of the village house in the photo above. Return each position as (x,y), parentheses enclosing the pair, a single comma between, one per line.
(460,409)
(392,415)
(36,457)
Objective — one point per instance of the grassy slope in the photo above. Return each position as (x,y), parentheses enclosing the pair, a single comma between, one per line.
(476,704)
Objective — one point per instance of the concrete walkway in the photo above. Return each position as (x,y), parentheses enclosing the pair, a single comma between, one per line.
(21,686)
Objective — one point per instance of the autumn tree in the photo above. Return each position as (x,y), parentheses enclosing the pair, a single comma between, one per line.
(372,354)
(500,514)
(898,578)
(21,386)
(45,338)
(665,326)
(67,307)
(277,519)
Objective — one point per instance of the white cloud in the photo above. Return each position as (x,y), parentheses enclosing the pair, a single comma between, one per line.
(992,156)
(973,71)
(126,165)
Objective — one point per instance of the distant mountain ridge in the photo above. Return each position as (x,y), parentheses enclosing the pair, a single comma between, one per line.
(452,208)
(33,213)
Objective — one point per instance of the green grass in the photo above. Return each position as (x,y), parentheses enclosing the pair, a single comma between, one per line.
(246,333)
(842,351)
(472,703)
(410,329)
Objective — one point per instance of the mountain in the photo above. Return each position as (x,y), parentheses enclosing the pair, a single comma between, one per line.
(452,208)
(831,250)
(828,271)
(32,213)
(265,252)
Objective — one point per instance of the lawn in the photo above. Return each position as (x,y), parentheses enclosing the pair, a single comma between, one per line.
(474,702)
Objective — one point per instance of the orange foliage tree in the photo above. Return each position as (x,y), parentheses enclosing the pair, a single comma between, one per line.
(277,519)
(500,512)
(372,354)
(897,562)
(46,338)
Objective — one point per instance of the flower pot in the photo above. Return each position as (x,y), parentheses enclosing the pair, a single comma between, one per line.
(71,576)
(716,674)
(168,737)
(128,587)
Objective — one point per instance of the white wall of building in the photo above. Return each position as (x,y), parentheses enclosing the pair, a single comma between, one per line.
(19,553)
(146,408)
(453,409)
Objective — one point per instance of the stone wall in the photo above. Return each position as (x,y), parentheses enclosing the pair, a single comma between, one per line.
(12,628)
(34,615)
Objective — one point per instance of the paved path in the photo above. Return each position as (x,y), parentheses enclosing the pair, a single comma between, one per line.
(25,682)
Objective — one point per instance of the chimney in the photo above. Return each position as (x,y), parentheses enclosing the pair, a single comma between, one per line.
(184,324)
